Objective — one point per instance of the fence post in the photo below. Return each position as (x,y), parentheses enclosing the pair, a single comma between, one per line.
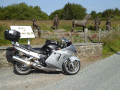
(104,33)
(99,35)
(73,38)
(85,35)
(118,29)
(69,35)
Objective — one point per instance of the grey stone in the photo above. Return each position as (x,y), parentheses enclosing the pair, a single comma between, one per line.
(84,51)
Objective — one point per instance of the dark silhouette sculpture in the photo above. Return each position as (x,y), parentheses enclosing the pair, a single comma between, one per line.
(97,23)
(55,22)
(81,23)
(108,24)
(35,26)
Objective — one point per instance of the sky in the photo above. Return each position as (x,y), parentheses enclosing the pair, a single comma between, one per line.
(49,6)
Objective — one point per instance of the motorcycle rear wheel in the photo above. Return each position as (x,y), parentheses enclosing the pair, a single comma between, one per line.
(71,68)
(21,69)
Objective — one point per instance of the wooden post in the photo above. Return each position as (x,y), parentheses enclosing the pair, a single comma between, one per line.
(73,38)
(99,35)
(85,35)
(118,29)
(104,33)
(69,35)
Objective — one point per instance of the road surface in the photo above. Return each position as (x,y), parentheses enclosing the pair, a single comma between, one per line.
(102,75)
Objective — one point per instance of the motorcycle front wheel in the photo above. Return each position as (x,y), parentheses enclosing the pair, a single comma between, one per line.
(71,68)
(21,69)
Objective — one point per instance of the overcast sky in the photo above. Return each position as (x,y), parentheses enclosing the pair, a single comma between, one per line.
(49,6)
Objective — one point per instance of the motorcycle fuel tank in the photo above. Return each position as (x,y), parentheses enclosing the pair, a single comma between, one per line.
(52,47)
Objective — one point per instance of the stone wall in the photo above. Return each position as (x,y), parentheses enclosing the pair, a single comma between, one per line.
(89,51)
(85,51)
(3,60)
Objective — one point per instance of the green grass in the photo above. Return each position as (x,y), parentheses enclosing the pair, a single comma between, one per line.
(2,39)
(111,44)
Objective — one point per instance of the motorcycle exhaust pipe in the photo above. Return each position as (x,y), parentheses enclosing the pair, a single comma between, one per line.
(45,68)
(20,60)
(17,59)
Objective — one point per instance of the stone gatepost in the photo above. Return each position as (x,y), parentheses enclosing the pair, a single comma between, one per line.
(85,35)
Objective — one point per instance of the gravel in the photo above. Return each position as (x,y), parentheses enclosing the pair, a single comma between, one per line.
(10,81)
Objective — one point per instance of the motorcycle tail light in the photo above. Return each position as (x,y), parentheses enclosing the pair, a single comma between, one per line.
(59,48)
(13,49)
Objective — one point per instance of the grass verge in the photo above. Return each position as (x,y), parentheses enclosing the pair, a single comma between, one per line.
(111,44)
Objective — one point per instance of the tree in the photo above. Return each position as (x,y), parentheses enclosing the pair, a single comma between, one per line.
(1,13)
(99,14)
(78,11)
(22,12)
(69,12)
(108,13)
(58,13)
(117,12)
(93,14)
(73,11)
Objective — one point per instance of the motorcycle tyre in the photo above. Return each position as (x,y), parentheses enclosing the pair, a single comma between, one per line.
(65,71)
(18,71)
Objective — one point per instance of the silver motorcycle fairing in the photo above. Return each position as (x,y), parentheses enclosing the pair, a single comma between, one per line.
(71,48)
(73,58)
(57,58)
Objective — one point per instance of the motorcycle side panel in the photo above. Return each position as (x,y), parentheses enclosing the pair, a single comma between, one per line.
(56,59)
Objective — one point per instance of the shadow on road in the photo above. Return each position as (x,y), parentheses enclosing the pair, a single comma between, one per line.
(111,49)
(118,53)
(40,71)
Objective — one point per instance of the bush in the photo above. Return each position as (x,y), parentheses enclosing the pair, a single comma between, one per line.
(90,27)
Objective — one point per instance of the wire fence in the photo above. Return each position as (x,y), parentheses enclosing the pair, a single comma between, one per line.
(83,37)
(76,37)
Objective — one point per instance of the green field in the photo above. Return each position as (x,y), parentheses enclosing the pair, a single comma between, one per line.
(111,43)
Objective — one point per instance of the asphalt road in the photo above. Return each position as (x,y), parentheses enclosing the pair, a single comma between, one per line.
(102,75)
(11,81)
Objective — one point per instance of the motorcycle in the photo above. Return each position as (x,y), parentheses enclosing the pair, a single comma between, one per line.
(53,56)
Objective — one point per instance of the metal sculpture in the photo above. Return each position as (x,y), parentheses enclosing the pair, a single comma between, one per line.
(55,22)
(35,26)
(81,23)
(97,23)
(108,24)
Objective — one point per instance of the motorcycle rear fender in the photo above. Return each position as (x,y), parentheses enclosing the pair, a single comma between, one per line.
(73,58)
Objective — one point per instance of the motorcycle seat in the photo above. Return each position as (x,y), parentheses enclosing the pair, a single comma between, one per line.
(28,47)
(38,50)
